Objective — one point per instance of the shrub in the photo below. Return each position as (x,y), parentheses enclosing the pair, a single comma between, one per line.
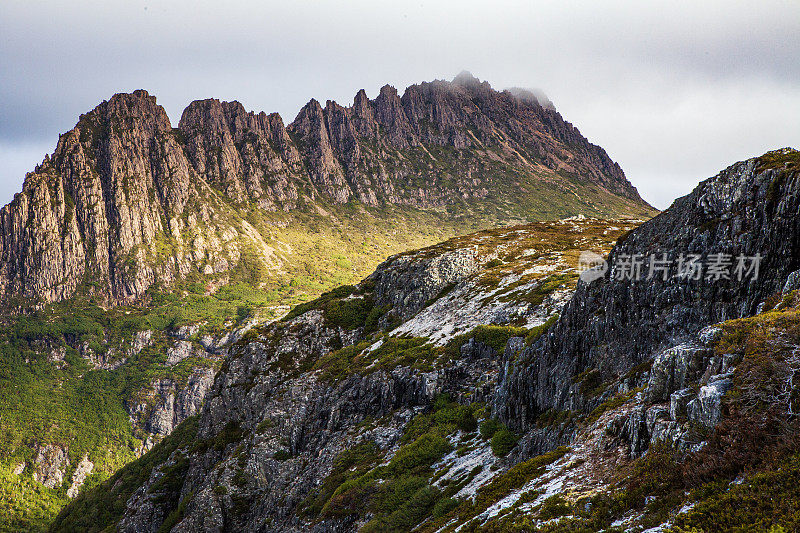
(339,309)
(495,336)
(349,465)
(411,501)
(489,428)
(421,453)
(553,507)
(446,417)
(102,506)
(503,441)
(444,506)
(348,314)
(374,315)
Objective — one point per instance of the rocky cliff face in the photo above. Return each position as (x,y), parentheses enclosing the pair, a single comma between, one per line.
(106,213)
(614,324)
(127,201)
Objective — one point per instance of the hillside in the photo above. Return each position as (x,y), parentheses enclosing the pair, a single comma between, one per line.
(100,387)
(139,253)
(473,386)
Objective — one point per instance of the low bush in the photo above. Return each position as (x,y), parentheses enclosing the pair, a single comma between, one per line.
(554,507)
(503,441)
(489,428)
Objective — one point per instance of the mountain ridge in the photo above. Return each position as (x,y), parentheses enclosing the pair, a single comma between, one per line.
(124,180)
(140,252)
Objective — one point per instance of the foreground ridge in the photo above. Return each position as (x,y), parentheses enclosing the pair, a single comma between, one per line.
(478,385)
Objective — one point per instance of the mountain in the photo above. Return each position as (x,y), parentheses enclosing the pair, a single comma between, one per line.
(127,202)
(480,385)
(139,254)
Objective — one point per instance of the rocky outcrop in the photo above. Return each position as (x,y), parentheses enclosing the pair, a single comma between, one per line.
(50,464)
(169,402)
(83,469)
(682,396)
(127,201)
(406,284)
(616,323)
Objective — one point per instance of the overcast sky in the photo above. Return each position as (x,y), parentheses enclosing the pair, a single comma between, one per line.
(673,90)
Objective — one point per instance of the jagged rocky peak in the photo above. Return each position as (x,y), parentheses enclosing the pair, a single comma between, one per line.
(124,178)
(137,110)
(104,192)
(240,151)
(532,95)
(467,114)
(364,115)
(465,78)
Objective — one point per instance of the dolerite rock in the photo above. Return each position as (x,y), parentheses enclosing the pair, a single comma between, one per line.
(390,116)
(286,412)
(406,283)
(675,368)
(325,171)
(792,282)
(706,409)
(168,403)
(50,464)
(90,204)
(246,154)
(83,469)
(682,394)
(118,182)
(614,324)
(678,401)
(123,187)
